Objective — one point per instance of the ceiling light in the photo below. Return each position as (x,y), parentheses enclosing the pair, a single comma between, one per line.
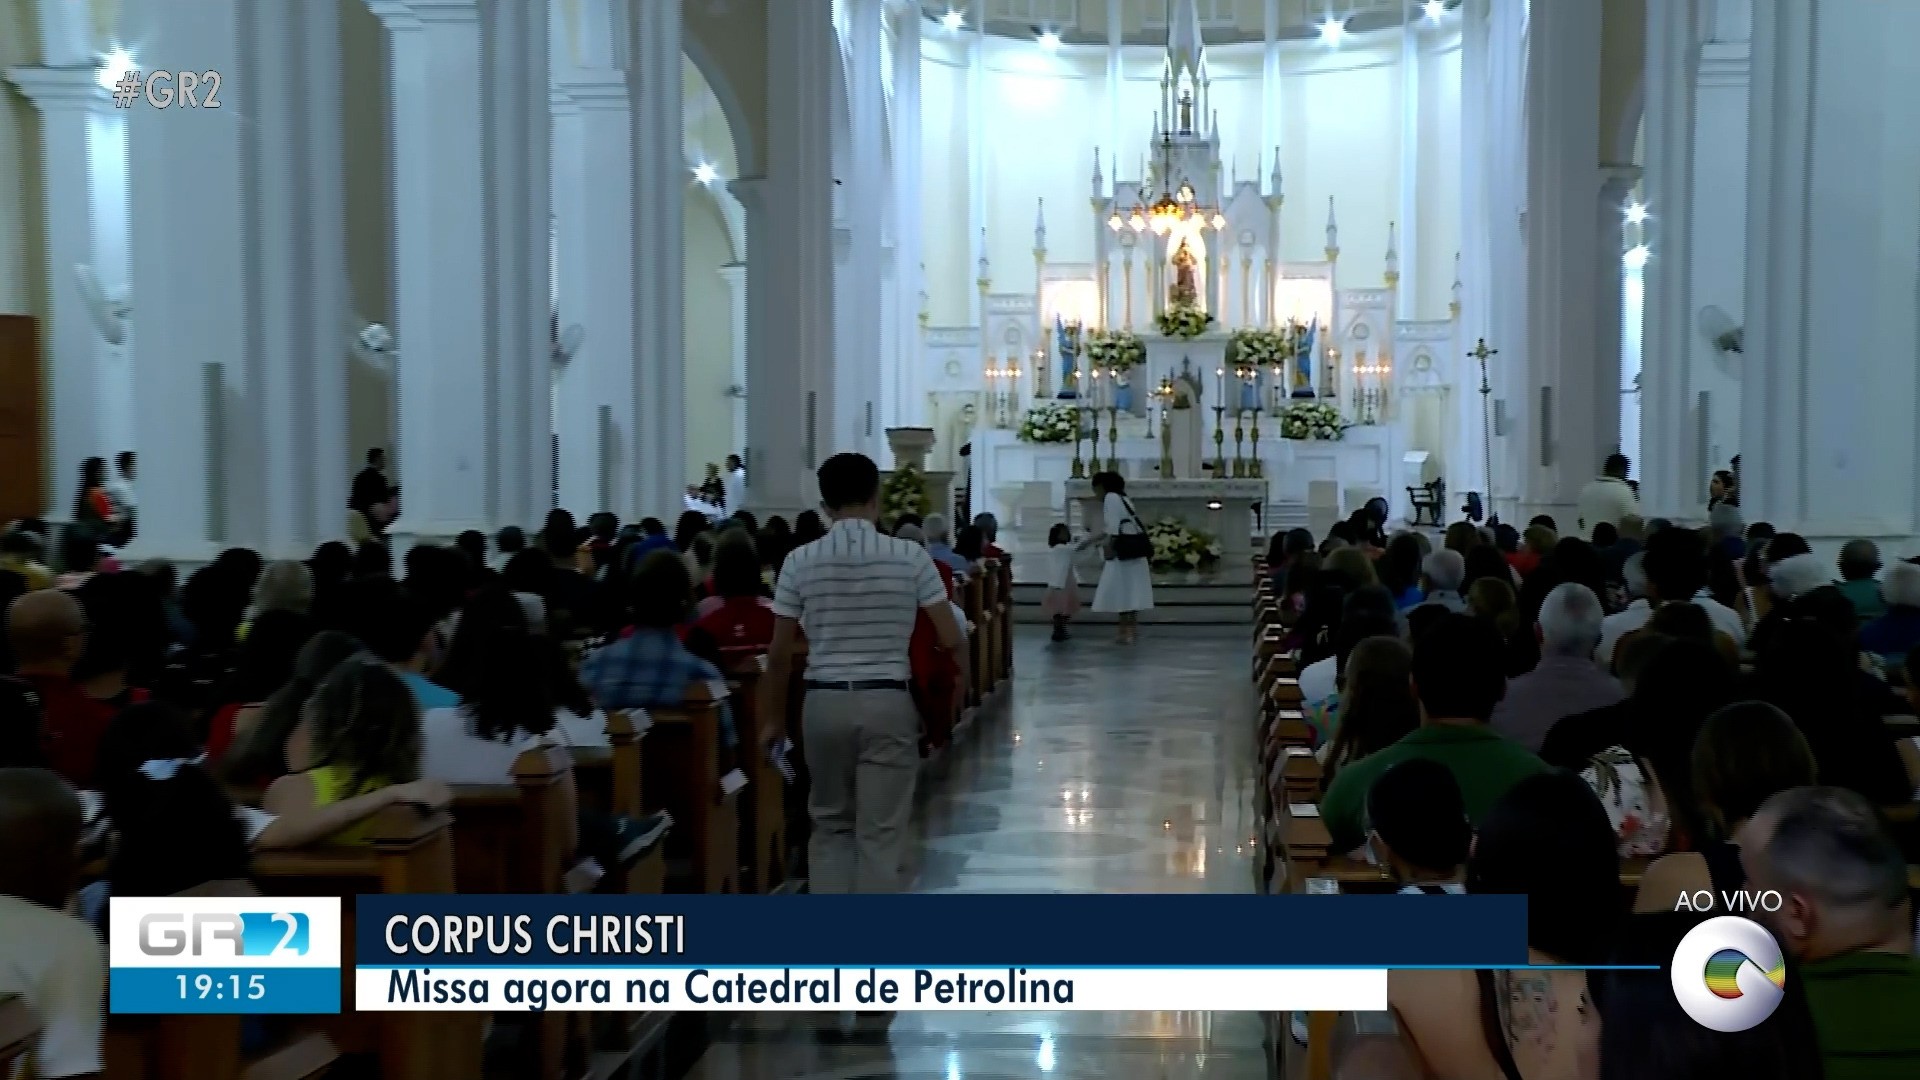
(1333,30)
(1434,9)
(705,173)
(1049,40)
(116,63)
(953,20)
(1636,213)
(1636,257)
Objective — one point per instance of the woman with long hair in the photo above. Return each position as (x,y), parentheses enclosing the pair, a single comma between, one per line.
(266,664)
(1377,706)
(1493,600)
(359,734)
(1399,569)
(506,697)
(258,754)
(93,507)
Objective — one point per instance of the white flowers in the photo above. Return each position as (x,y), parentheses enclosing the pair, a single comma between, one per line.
(1182,321)
(1176,546)
(1312,420)
(1050,422)
(1257,347)
(1115,350)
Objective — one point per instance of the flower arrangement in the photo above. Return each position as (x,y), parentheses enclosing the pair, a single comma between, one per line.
(1115,350)
(1258,347)
(1182,321)
(1050,422)
(1312,420)
(1176,546)
(905,492)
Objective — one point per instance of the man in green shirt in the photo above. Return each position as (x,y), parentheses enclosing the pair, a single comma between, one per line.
(1846,918)
(1457,677)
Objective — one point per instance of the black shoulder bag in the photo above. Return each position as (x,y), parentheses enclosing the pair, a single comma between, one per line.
(1134,545)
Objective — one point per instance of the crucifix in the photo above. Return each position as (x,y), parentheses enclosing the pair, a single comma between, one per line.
(1481,353)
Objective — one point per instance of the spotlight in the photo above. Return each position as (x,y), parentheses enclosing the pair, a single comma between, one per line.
(116,63)
(1434,9)
(953,20)
(1049,40)
(1636,213)
(1332,31)
(705,173)
(1636,257)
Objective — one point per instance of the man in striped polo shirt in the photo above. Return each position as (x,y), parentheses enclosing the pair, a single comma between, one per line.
(855,593)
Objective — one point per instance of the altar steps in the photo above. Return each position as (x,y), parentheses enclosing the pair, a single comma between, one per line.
(1215,603)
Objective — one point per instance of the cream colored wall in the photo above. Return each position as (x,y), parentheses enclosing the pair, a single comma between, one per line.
(729,42)
(1339,116)
(709,335)
(369,213)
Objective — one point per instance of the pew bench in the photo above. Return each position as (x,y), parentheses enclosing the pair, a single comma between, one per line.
(763,813)
(608,781)
(681,774)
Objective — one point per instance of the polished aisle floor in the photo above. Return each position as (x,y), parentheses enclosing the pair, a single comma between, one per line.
(1107,770)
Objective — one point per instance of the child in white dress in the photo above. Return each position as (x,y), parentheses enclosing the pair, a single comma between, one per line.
(1063,583)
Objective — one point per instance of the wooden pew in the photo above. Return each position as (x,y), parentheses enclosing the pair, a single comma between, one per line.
(681,774)
(409,851)
(974,604)
(608,781)
(763,817)
(799,818)
(992,628)
(1006,617)
(18,1030)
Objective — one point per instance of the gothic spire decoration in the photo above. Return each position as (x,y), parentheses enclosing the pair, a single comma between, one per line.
(1273,181)
(1333,233)
(1186,56)
(1099,182)
(1393,256)
(1040,227)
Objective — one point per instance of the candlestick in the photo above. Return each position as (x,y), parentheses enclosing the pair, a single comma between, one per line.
(1166,444)
(1219,442)
(1221,374)
(1095,433)
(1113,437)
(1079,466)
(1253,465)
(1239,462)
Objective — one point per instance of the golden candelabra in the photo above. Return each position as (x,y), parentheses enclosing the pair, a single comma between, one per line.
(1113,426)
(1253,464)
(1165,394)
(1244,375)
(1239,434)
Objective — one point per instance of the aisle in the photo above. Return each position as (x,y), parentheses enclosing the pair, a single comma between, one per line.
(1109,770)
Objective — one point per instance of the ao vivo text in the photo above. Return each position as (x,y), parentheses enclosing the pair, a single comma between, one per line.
(1738,900)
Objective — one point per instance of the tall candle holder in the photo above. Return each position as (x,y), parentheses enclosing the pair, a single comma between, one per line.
(1092,406)
(1040,373)
(1253,463)
(1239,433)
(1165,394)
(1079,465)
(1113,437)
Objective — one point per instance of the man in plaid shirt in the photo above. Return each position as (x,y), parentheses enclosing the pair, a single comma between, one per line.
(651,668)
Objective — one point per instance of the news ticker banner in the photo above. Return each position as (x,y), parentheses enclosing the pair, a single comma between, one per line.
(800,953)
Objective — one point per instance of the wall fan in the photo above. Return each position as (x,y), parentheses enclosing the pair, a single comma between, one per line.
(565,343)
(1727,338)
(109,313)
(372,342)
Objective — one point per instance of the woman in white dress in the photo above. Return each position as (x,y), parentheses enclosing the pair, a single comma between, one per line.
(1126,585)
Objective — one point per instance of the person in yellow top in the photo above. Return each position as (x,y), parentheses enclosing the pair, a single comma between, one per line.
(358,735)
(23,552)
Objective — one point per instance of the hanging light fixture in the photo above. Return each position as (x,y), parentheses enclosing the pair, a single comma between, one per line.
(1174,209)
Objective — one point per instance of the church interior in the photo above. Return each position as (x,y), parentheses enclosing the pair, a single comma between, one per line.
(399,307)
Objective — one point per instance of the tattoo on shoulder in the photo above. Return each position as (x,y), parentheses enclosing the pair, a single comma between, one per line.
(1531,1010)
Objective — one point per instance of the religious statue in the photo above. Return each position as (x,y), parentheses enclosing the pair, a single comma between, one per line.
(1186,112)
(1185,290)
(1067,344)
(1304,340)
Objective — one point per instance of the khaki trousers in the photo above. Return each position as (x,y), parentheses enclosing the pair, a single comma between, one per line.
(863,749)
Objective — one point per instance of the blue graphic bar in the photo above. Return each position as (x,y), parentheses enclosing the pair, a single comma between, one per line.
(218,990)
(1140,930)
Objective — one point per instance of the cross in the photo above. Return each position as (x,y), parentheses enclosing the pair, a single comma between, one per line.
(1480,352)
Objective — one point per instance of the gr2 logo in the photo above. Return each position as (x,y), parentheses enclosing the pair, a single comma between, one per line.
(224,934)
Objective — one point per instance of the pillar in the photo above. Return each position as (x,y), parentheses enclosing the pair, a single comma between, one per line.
(1407,296)
(790,262)
(1667,466)
(516,192)
(909,404)
(75,115)
(1719,219)
(735,276)
(239,270)
(446,414)
(594,220)
(1832,349)
(659,177)
(1562,436)
(857,378)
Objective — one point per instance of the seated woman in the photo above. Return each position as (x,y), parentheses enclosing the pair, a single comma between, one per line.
(258,754)
(651,667)
(738,613)
(355,751)
(1746,753)
(506,701)
(267,658)
(1549,840)
(1375,705)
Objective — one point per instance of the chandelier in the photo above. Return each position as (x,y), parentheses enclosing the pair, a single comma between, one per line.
(1174,209)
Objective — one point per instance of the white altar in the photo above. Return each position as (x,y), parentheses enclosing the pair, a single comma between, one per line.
(1222,509)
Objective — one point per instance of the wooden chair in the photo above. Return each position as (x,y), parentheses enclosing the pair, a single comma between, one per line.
(681,773)
(409,851)
(763,817)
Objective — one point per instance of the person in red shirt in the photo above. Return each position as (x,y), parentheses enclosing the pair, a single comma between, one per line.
(48,633)
(736,612)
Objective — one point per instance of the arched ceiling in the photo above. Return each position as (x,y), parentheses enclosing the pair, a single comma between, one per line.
(1144,22)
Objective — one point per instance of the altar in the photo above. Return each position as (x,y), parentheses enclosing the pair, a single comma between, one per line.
(1222,509)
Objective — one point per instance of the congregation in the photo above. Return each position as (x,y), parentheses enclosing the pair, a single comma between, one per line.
(1612,722)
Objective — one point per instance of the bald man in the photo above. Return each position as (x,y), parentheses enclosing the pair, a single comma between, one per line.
(48,632)
(50,959)
(1846,917)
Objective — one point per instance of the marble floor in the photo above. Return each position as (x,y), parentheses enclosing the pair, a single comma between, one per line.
(1105,770)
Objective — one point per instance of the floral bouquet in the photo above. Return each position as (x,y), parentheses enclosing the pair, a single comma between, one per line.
(1179,547)
(1182,321)
(1115,350)
(905,492)
(1050,422)
(1258,347)
(1312,420)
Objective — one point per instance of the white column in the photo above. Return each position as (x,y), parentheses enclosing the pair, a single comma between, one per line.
(71,103)
(1667,464)
(909,403)
(1719,219)
(240,267)
(1408,294)
(659,264)
(439,267)
(516,187)
(1604,379)
(979,167)
(1829,447)
(858,411)
(1493,254)
(735,275)
(593,216)
(1562,431)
